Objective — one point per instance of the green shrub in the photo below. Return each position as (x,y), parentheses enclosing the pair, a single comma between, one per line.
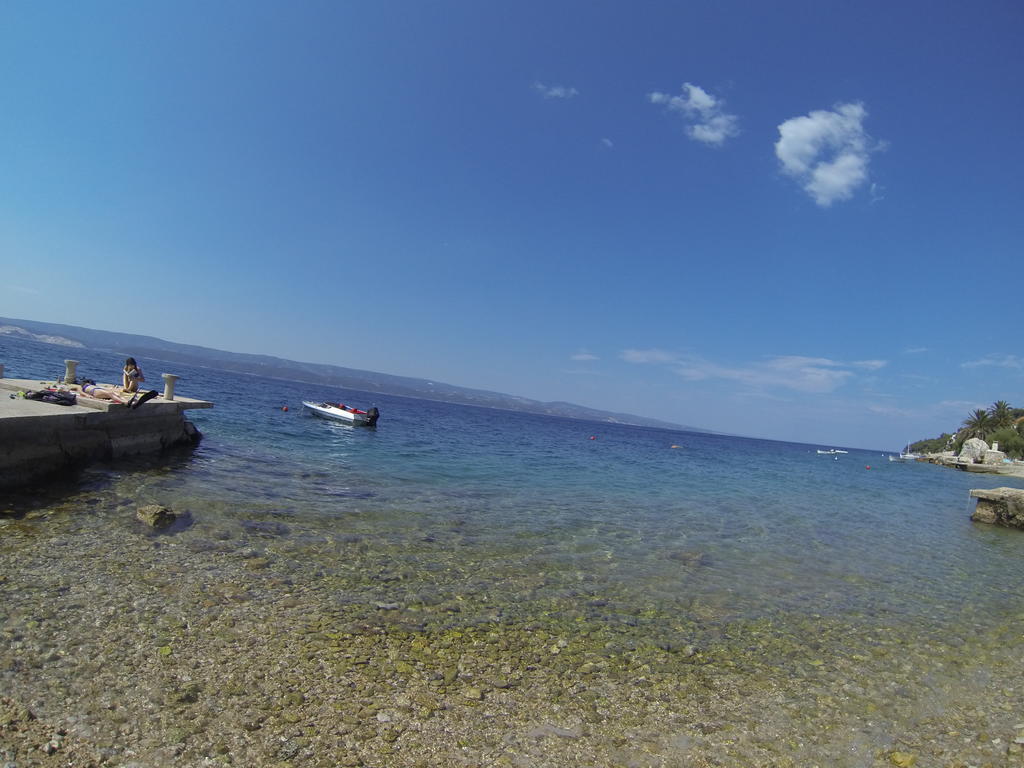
(1010,442)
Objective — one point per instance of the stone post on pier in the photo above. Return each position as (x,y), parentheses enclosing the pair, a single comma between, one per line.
(169,379)
(69,370)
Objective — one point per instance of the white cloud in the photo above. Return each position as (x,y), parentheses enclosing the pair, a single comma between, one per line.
(827,152)
(998,361)
(707,122)
(584,356)
(792,372)
(555,91)
(608,143)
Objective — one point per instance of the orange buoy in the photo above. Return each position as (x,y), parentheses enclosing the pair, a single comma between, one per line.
(284,408)
(593,437)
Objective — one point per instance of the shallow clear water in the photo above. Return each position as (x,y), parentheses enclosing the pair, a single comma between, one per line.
(517,516)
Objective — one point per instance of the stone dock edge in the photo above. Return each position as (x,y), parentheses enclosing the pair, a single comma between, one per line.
(39,439)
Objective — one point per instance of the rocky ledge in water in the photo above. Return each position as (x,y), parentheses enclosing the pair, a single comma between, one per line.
(999,506)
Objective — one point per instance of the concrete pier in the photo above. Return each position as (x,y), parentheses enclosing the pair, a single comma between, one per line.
(39,438)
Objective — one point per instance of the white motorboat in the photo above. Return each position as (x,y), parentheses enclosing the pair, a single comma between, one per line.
(346,414)
(833,451)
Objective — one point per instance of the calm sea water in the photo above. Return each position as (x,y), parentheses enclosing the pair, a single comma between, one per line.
(772,525)
(836,609)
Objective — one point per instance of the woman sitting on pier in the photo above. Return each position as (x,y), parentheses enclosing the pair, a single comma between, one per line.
(132,376)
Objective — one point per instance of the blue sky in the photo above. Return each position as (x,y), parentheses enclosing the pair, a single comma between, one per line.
(794,220)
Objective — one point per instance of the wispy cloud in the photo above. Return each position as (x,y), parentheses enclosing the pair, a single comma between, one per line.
(706,119)
(960,405)
(998,361)
(648,356)
(791,372)
(555,91)
(583,356)
(915,350)
(803,374)
(891,411)
(948,412)
(25,289)
(869,365)
(827,152)
(608,143)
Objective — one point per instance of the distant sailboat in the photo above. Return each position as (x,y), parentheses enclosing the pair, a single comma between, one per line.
(906,455)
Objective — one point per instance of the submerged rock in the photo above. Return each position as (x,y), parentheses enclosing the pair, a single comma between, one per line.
(903,759)
(266,527)
(157,516)
(691,558)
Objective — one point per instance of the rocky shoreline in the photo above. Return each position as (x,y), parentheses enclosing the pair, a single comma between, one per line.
(1015,469)
(977,456)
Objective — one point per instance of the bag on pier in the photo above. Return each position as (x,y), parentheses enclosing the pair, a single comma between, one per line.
(51,396)
(60,398)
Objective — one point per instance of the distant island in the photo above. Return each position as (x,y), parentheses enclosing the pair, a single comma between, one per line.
(125,344)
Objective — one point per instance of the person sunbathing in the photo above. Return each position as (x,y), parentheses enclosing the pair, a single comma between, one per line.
(92,390)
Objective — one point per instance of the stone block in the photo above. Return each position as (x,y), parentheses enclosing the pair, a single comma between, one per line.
(993,457)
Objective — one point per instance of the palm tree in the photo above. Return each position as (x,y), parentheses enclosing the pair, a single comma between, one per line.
(1001,414)
(979,423)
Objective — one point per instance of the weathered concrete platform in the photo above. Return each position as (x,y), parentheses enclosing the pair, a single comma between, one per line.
(39,438)
(999,506)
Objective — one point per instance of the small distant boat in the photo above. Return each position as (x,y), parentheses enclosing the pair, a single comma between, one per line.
(905,456)
(832,451)
(343,413)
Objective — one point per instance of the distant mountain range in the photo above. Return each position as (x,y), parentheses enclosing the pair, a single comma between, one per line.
(312,373)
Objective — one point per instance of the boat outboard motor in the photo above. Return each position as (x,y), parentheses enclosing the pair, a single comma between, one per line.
(372,415)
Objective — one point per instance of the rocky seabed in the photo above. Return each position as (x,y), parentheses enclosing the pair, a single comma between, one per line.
(256,643)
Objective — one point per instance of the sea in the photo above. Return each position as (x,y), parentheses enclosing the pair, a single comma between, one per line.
(705,546)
